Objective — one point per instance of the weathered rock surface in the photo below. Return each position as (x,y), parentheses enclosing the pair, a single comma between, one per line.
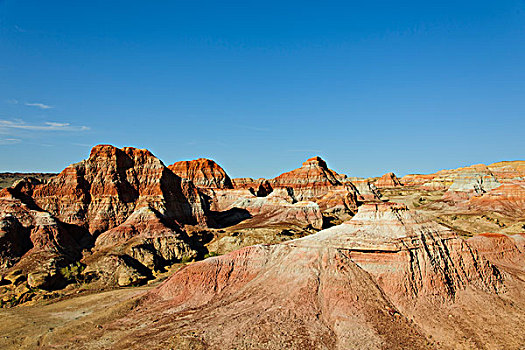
(368,192)
(478,178)
(361,284)
(508,171)
(507,199)
(388,180)
(261,217)
(126,196)
(314,181)
(32,238)
(506,251)
(145,238)
(103,191)
(471,181)
(260,187)
(204,173)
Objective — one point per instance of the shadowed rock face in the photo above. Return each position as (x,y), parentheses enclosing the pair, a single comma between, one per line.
(276,208)
(146,238)
(351,286)
(127,194)
(204,173)
(34,242)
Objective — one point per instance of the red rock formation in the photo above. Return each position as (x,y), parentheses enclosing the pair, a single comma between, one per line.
(204,173)
(311,180)
(507,199)
(388,180)
(103,191)
(505,251)
(350,286)
(277,208)
(416,180)
(32,239)
(368,192)
(508,171)
(314,181)
(502,172)
(260,187)
(148,239)
(127,194)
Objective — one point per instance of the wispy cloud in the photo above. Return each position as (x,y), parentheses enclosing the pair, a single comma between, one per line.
(39,105)
(12,101)
(47,126)
(19,29)
(9,141)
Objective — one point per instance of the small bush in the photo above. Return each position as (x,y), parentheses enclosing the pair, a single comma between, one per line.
(185,260)
(73,273)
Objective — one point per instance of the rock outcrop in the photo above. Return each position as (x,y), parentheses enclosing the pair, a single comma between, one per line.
(314,181)
(475,178)
(260,187)
(355,285)
(126,197)
(388,180)
(311,180)
(508,171)
(507,199)
(204,173)
(505,251)
(470,181)
(102,191)
(147,239)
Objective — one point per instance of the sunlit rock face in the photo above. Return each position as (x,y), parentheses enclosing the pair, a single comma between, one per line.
(314,181)
(102,191)
(204,173)
(337,289)
(388,180)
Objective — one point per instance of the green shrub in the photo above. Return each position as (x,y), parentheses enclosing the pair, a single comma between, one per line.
(185,259)
(73,273)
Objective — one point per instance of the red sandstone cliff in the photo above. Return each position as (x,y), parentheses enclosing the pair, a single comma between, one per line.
(204,173)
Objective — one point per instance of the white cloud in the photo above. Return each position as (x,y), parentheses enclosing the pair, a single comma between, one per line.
(39,105)
(12,101)
(8,141)
(47,126)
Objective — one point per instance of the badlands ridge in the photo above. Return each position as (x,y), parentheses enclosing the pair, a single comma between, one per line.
(311,259)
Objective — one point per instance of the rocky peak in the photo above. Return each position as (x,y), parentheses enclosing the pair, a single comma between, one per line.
(204,173)
(314,172)
(388,180)
(102,191)
(315,162)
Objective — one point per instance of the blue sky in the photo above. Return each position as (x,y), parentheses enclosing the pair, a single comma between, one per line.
(259,86)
